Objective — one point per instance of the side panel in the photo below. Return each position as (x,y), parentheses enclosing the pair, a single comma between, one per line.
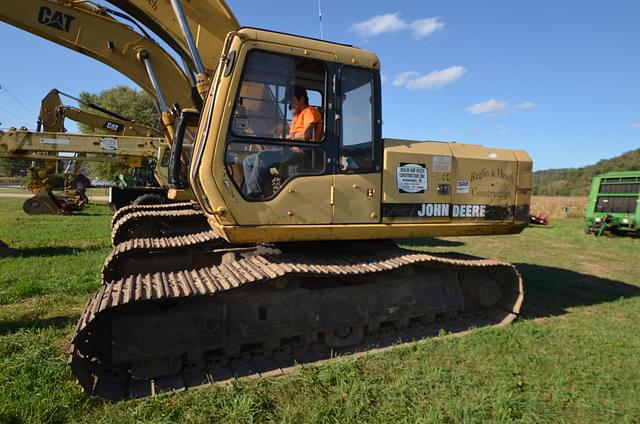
(304,200)
(462,183)
(484,186)
(356,198)
(416,182)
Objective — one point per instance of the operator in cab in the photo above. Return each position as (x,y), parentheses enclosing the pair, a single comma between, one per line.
(306,125)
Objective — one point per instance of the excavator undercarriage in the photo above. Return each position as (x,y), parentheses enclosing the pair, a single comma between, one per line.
(258,311)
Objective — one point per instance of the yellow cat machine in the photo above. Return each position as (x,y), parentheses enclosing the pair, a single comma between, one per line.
(100,33)
(52,117)
(297,264)
(95,31)
(45,202)
(53,113)
(50,147)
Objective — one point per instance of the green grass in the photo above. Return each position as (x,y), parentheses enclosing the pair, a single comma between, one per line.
(573,357)
(90,191)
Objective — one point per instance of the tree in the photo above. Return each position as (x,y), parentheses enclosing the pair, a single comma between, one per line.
(13,168)
(126,102)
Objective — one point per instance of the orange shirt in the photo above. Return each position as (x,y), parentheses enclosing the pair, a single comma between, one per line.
(306,117)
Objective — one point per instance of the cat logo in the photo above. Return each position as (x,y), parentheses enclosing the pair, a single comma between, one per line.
(113,126)
(55,19)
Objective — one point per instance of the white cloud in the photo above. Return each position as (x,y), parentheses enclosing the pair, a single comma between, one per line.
(525,105)
(403,78)
(436,79)
(384,79)
(425,27)
(634,125)
(390,22)
(493,107)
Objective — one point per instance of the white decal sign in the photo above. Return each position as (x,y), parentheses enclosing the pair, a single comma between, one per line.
(44,140)
(109,143)
(411,178)
(441,164)
(462,187)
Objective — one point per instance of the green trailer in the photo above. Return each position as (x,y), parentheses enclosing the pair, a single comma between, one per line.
(614,204)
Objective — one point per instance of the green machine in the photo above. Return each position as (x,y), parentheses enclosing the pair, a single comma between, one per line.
(614,204)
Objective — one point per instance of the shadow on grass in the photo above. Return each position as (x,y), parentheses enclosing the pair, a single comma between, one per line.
(31,252)
(428,242)
(84,213)
(11,326)
(550,291)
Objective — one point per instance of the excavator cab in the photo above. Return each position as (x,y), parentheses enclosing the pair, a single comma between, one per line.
(261,176)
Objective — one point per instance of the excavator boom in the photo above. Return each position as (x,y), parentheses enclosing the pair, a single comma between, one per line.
(90,30)
(53,114)
(209,21)
(33,145)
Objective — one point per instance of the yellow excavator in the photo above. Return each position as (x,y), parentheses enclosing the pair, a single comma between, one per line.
(93,30)
(151,188)
(297,263)
(50,147)
(101,33)
(51,119)
(53,113)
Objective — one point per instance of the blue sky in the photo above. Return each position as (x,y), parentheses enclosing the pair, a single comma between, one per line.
(558,79)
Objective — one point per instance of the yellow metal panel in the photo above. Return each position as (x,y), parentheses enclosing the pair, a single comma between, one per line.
(488,176)
(304,200)
(292,44)
(357,198)
(431,156)
(282,233)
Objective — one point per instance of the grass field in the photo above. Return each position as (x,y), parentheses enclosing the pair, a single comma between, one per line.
(90,191)
(572,357)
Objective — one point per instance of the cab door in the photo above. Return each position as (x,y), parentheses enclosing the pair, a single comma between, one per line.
(355,195)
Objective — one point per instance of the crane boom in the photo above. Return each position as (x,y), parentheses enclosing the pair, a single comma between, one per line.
(90,30)
(209,21)
(53,113)
(21,144)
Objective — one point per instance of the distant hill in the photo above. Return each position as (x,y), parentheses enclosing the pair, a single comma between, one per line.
(577,181)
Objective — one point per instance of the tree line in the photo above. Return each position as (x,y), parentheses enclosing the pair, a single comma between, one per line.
(577,181)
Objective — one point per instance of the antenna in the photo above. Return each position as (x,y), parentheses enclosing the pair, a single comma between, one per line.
(320,16)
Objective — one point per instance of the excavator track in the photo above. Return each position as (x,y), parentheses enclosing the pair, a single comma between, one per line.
(125,210)
(158,223)
(146,255)
(273,307)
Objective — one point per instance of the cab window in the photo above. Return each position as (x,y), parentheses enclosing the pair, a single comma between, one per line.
(273,138)
(357,130)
